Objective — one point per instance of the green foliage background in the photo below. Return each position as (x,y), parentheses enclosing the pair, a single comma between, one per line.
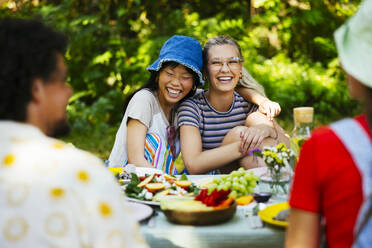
(287,45)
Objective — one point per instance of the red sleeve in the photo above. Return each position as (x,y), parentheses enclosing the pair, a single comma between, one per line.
(305,188)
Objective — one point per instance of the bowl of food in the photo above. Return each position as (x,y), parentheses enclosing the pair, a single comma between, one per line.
(192,212)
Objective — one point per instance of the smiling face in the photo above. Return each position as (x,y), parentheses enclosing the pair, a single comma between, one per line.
(224,67)
(174,84)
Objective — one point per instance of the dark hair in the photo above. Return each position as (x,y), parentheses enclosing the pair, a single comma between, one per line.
(153,85)
(28,50)
(368,106)
(219,41)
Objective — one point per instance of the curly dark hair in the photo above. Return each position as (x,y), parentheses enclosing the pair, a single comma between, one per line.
(28,50)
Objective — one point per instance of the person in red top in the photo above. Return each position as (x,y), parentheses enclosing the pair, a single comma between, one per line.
(332,178)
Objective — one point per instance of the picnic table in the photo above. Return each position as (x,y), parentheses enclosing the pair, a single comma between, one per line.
(236,232)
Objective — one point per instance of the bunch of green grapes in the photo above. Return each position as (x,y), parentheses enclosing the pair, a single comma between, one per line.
(240,182)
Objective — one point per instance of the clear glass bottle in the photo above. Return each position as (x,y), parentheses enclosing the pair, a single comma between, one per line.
(303,124)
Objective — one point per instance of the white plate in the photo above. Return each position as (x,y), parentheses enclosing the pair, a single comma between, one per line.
(141,211)
(152,203)
(142,171)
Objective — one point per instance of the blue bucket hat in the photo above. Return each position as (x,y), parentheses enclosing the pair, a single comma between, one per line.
(184,50)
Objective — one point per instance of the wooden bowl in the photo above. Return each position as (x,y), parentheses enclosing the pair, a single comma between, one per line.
(200,218)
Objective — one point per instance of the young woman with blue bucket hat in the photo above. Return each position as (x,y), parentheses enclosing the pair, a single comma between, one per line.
(147,136)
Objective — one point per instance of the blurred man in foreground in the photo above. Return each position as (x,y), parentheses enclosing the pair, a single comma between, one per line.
(51,194)
(333,178)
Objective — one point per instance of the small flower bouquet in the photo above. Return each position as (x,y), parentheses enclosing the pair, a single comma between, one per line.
(277,158)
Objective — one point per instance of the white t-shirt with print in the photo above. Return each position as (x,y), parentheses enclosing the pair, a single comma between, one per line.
(145,107)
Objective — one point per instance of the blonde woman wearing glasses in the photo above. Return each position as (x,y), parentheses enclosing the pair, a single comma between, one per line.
(218,127)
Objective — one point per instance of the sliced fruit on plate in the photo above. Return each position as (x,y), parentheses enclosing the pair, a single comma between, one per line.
(146,181)
(169,178)
(183,184)
(244,200)
(164,192)
(160,195)
(224,204)
(154,187)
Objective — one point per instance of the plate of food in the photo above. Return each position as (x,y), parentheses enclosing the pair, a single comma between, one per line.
(140,211)
(151,188)
(276,214)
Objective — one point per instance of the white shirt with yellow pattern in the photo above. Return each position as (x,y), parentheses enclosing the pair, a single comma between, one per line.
(54,195)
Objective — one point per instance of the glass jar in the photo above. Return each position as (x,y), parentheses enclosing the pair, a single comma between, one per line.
(303,124)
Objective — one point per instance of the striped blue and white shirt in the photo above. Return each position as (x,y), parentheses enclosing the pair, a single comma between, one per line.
(213,125)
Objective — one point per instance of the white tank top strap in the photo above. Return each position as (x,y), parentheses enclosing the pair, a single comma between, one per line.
(359,145)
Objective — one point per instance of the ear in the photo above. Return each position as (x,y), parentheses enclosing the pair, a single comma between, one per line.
(37,90)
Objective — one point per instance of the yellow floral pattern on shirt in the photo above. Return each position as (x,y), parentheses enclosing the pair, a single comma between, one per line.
(105,209)
(8,160)
(15,229)
(83,176)
(17,194)
(56,224)
(58,145)
(57,193)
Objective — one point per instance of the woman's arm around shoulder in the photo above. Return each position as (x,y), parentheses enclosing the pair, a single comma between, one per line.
(266,106)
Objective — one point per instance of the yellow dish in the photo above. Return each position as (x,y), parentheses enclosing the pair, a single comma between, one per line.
(116,170)
(270,212)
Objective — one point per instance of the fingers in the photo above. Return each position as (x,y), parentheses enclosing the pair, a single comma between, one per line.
(270,108)
(277,109)
(255,140)
(246,141)
(271,112)
(252,138)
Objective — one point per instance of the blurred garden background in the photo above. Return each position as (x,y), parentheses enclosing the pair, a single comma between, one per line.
(287,46)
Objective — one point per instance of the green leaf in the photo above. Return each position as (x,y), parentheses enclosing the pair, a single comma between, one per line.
(183,177)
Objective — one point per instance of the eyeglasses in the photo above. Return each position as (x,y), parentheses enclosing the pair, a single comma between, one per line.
(233,63)
(171,139)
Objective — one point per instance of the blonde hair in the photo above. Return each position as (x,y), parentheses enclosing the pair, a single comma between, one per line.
(249,82)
